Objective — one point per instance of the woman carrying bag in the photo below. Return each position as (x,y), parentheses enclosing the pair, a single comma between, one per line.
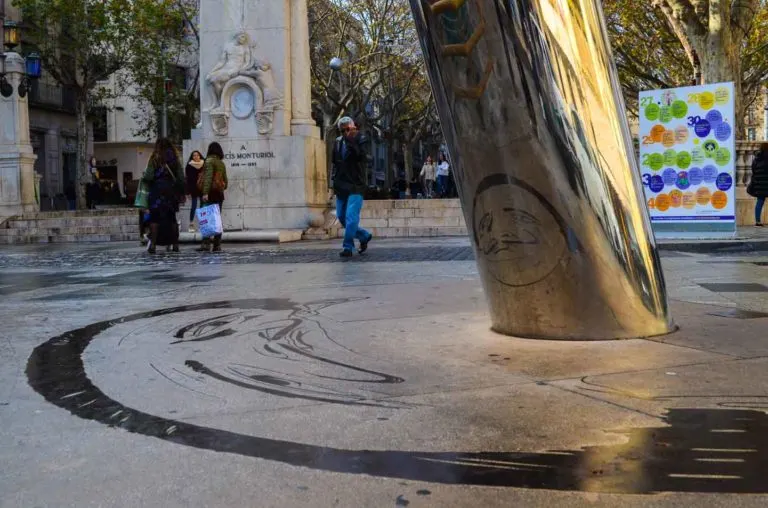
(212,183)
(164,179)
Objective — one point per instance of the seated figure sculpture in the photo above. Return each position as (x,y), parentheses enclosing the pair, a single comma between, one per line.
(238,59)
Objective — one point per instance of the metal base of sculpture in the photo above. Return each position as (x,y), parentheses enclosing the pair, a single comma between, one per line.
(530,107)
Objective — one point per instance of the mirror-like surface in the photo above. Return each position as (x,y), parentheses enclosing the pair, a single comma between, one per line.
(530,107)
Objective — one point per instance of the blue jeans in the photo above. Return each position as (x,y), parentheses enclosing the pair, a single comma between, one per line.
(192,209)
(348,212)
(759,209)
(442,185)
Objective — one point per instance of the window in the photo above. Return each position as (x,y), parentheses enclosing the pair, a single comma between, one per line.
(751,114)
(752,134)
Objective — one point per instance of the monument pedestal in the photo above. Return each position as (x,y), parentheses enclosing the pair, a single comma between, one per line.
(255,102)
(273,183)
(17,160)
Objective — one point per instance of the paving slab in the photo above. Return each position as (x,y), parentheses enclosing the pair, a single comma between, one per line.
(272,376)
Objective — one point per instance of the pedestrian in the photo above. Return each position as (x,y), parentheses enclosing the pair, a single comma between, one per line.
(416,188)
(350,160)
(191,172)
(165,179)
(427,175)
(758,185)
(92,187)
(443,170)
(214,183)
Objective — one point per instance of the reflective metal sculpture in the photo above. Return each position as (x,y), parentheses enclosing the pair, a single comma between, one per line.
(530,107)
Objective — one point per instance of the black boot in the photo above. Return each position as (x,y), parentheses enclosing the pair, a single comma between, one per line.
(217,243)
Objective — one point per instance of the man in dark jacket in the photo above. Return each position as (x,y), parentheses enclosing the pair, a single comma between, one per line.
(350,163)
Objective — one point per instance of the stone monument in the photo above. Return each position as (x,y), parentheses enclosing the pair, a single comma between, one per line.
(17,160)
(255,102)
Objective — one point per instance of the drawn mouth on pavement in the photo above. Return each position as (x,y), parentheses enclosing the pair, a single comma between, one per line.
(691,453)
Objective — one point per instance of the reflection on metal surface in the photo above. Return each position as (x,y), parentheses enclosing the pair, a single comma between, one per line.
(541,153)
(688,454)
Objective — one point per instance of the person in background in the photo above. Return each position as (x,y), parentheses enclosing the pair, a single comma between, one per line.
(215,183)
(427,176)
(443,169)
(165,178)
(191,172)
(92,188)
(758,185)
(350,162)
(415,188)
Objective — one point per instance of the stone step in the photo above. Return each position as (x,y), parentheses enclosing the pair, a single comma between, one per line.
(413,232)
(78,230)
(413,203)
(405,213)
(113,212)
(73,222)
(28,239)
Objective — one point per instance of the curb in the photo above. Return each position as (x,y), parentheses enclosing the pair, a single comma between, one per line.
(715,246)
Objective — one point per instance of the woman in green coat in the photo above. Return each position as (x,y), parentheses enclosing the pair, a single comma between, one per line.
(214,174)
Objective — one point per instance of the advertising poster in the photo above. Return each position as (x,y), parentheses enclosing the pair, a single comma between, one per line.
(687,158)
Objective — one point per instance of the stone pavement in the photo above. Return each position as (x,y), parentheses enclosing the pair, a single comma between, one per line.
(282,376)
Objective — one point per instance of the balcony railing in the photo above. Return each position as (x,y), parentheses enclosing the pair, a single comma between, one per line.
(52,96)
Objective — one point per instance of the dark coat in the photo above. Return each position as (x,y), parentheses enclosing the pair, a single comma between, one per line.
(191,173)
(350,170)
(758,186)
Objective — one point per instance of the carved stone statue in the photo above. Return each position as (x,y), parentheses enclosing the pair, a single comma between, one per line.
(237,68)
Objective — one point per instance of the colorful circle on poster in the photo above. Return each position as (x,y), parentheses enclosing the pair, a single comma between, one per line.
(665,114)
(703,196)
(669,176)
(663,202)
(719,200)
(657,133)
(724,181)
(656,161)
(714,118)
(670,158)
(668,139)
(722,131)
(682,180)
(679,109)
(722,156)
(709,173)
(676,198)
(652,112)
(681,134)
(689,200)
(706,100)
(696,141)
(710,148)
(695,176)
(657,184)
(683,160)
(702,128)
(722,96)
(697,155)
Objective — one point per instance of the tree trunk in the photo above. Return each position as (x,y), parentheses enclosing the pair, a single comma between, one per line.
(720,64)
(83,176)
(408,159)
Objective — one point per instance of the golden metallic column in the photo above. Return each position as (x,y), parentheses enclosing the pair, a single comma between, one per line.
(532,113)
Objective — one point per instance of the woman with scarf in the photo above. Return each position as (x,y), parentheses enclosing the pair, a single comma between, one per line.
(192,171)
(165,179)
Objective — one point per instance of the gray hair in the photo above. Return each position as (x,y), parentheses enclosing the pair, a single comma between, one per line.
(345,120)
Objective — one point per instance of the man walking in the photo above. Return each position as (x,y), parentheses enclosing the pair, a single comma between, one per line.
(350,162)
